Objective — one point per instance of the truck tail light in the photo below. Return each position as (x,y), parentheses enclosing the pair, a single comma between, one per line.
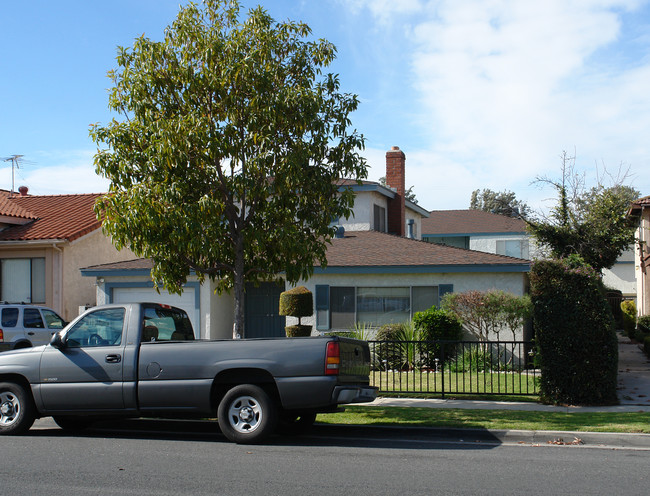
(2,336)
(332,358)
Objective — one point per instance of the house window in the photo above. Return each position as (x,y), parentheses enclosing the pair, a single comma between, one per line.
(347,305)
(511,248)
(457,241)
(379,219)
(22,280)
(342,307)
(378,306)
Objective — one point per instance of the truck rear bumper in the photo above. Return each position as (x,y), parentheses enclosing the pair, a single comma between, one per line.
(353,394)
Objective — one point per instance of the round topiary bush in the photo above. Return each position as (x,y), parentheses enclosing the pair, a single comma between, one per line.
(578,348)
(297,302)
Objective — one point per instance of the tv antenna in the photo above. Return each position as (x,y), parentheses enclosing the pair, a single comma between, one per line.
(14,159)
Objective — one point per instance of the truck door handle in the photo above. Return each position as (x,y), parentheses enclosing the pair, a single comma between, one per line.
(113,358)
(30,333)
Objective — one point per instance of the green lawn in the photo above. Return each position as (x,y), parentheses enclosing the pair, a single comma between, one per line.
(467,383)
(491,419)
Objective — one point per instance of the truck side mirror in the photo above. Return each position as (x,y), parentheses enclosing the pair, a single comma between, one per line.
(56,341)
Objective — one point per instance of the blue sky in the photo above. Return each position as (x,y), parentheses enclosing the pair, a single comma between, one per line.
(478,94)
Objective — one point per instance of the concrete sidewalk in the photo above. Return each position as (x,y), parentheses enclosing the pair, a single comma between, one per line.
(633,390)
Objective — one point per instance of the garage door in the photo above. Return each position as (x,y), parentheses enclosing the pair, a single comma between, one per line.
(186,301)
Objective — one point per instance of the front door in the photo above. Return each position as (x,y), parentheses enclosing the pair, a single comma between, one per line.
(262,311)
(86,373)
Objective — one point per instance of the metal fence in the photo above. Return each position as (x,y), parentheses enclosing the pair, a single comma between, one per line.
(454,367)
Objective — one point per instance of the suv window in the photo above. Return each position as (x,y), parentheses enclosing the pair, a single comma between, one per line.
(52,320)
(9,317)
(100,328)
(32,319)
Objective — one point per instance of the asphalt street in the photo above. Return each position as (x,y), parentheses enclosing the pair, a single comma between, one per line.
(169,458)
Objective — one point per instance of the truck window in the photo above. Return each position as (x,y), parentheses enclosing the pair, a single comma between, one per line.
(166,324)
(100,328)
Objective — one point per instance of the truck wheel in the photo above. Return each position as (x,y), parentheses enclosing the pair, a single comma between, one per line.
(296,423)
(72,422)
(17,411)
(246,414)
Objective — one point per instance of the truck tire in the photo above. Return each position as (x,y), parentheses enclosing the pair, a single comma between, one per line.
(246,414)
(73,423)
(17,411)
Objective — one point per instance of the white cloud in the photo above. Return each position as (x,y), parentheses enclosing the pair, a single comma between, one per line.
(504,86)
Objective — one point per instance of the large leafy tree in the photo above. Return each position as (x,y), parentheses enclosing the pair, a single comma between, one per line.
(588,222)
(226,158)
(498,202)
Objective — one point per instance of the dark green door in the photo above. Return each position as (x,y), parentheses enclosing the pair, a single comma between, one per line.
(262,307)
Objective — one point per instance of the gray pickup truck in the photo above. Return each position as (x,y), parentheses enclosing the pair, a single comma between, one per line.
(141,359)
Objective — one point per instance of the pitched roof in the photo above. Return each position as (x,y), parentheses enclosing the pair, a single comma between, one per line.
(441,222)
(64,217)
(375,251)
(637,206)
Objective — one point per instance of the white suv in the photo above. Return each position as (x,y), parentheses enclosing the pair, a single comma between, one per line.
(23,325)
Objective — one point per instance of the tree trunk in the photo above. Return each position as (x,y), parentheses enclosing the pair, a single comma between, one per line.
(238,330)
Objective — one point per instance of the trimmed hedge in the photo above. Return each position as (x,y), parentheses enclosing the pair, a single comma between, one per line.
(575,335)
(297,302)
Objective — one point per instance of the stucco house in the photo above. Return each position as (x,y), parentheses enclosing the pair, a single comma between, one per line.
(494,233)
(44,241)
(640,213)
(379,270)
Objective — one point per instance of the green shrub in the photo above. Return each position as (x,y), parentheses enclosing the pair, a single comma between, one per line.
(628,308)
(434,325)
(574,333)
(474,359)
(294,331)
(297,302)
(643,323)
(390,352)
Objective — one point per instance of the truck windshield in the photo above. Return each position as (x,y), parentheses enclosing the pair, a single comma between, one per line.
(166,324)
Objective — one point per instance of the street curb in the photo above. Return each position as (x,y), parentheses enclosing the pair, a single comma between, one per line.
(504,436)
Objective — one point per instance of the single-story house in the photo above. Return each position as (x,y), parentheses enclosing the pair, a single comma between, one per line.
(379,270)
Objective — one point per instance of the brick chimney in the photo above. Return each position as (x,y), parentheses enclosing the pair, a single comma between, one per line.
(395,179)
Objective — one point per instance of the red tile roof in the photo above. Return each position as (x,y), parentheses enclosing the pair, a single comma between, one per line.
(65,217)
(375,249)
(442,222)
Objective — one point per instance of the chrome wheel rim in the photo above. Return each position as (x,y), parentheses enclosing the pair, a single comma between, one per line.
(9,408)
(245,414)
